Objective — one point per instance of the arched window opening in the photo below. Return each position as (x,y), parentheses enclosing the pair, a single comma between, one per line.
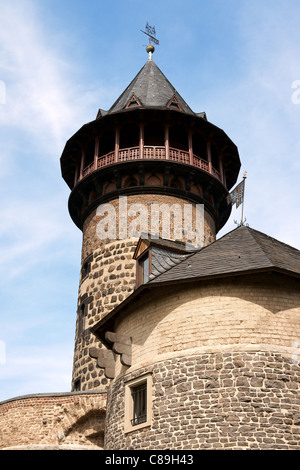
(109,187)
(92,196)
(130,181)
(196,189)
(176,183)
(153,180)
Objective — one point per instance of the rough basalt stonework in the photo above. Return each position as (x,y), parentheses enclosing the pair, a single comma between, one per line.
(235,400)
(53,421)
(109,279)
(260,309)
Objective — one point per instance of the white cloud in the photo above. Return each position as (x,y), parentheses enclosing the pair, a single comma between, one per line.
(31,231)
(41,97)
(36,369)
(40,110)
(258,114)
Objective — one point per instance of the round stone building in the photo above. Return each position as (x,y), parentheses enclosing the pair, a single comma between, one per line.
(148,153)
(183,340)
(195,343)
(205,354)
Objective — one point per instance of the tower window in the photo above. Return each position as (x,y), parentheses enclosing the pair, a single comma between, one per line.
(81,320)
(86,267)
(143,268)
(138,403)
(144,263)
(77,385)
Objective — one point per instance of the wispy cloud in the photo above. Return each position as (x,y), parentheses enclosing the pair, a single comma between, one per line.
(31,232)
(36,95)
(258,114)
(40,112)
(42,97)
(34,370)
(43,107)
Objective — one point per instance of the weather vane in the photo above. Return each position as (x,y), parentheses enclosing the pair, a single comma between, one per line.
(151,33)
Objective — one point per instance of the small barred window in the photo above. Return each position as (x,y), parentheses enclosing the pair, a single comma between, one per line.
(138,403)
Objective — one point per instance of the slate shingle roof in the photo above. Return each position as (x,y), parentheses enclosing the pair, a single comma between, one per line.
(240,251)
(152,89)
(163,260)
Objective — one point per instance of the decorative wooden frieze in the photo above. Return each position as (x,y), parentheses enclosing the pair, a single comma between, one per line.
(120,345)
(133,102)
(105,360)
(174,103)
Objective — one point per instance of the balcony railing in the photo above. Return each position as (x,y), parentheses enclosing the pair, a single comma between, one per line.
(151,153)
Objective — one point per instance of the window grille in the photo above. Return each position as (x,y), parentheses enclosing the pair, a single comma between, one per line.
(139,398)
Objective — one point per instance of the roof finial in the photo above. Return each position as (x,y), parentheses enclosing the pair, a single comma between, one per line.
(151,33)
(150,49)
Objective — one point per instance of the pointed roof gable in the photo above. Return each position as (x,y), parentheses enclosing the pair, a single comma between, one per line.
(151,89)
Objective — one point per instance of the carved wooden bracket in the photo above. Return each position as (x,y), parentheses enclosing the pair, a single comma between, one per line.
(120,345)
(105,360)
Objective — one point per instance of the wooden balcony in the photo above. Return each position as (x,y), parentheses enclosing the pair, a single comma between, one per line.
(150,153)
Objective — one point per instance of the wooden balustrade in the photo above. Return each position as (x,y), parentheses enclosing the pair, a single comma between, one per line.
(87,170)
(150,152)
(154,152)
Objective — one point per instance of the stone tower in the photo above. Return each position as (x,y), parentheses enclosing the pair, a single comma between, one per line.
(179,345)
(148,149)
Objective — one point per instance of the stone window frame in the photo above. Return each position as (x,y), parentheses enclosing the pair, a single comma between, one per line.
(129,386)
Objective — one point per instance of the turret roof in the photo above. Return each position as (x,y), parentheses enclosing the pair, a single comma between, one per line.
(151,89)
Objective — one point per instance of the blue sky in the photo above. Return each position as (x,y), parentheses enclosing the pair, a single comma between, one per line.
(60,61)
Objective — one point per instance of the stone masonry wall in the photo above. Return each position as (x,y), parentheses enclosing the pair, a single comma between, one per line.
(108,276)
(53,421)
(110,280)
(224,358)
(234,400)
(260,309)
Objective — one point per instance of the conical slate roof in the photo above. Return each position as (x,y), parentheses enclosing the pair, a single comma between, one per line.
(150,89)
